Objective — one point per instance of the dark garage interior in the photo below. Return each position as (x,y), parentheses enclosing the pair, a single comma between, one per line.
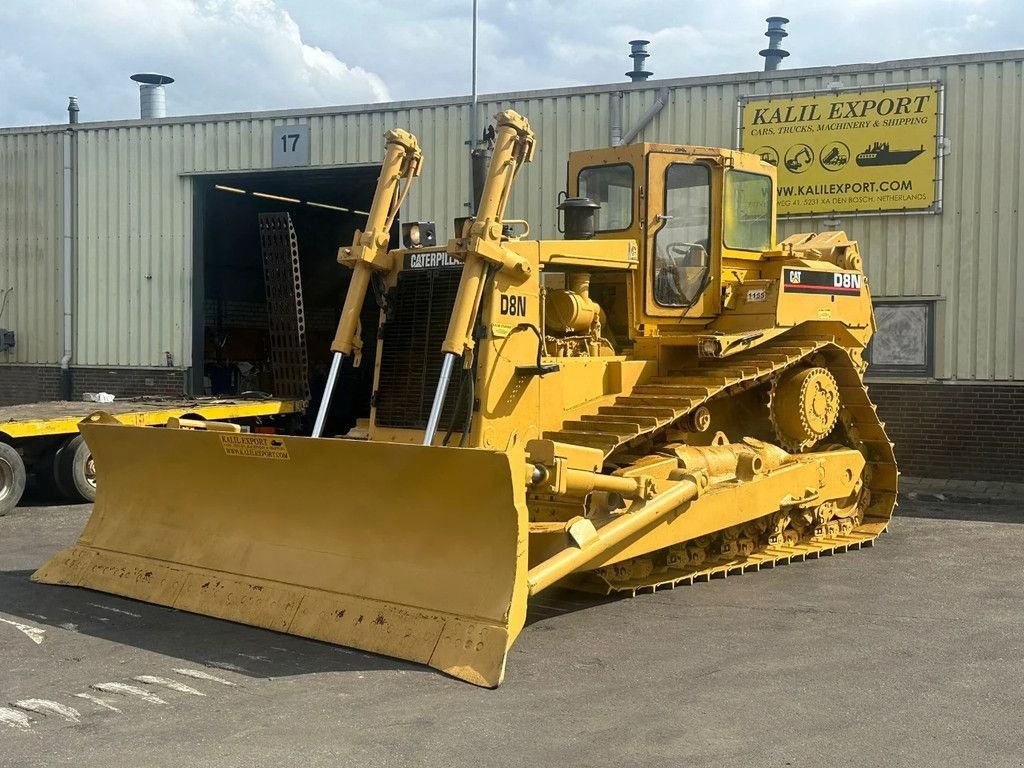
(232,324)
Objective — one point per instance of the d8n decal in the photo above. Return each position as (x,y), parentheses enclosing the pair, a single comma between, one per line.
(810,281)
(514,306)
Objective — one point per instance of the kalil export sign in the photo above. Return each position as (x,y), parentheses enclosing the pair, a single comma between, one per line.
(849,151)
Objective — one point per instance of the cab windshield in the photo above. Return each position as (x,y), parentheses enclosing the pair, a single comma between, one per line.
(748,211)
(611,186)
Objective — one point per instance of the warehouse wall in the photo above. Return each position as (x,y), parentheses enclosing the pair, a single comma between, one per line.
(135,214)
(971,255)
(134,206)
(31,212)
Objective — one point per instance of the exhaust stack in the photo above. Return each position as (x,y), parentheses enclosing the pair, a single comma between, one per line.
(774,53)
(638,53)
(152,102)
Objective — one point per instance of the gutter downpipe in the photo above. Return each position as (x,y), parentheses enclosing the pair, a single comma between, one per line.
(473,108)
(68,248)
(659,103)
(615,119)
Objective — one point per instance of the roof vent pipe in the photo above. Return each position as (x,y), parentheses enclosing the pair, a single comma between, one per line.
(774,54)
(152,102)
(72,109)
(615,118)
(638,53)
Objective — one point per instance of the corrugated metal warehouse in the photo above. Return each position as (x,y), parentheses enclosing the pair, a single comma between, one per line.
(157,220)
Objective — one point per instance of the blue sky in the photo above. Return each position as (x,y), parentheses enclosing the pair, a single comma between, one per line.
(240,55)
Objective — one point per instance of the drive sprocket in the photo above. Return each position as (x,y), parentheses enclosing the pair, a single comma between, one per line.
(804,406)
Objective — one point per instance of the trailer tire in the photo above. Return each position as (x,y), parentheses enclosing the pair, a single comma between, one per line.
(74,472)
(12,478)
(60,483)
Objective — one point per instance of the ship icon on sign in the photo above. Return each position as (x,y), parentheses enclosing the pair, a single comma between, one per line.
(879,153)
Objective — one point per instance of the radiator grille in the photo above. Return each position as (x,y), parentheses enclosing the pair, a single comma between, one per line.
(419,308)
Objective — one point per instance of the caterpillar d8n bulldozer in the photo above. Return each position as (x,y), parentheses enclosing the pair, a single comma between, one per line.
(666,395)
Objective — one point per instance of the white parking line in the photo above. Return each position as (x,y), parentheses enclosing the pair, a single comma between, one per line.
(46,707)
(253,657)
(128,690)
(97,700)
(116,610)
(34,633)
(174,685)
(15,719)
(198,674)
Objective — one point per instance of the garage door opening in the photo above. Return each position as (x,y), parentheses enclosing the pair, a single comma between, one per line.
(233,320)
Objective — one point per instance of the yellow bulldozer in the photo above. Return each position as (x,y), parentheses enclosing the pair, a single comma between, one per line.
(665,396)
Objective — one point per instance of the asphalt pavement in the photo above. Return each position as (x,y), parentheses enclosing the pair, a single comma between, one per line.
(910,653)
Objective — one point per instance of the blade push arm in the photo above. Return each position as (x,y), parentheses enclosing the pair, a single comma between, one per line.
(369,250)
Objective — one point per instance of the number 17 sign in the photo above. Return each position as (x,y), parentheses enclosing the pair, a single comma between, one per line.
(290,145)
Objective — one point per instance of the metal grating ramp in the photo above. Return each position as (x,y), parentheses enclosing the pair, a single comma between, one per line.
(288,359)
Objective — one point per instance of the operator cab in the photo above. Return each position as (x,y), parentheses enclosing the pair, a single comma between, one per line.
(701,216)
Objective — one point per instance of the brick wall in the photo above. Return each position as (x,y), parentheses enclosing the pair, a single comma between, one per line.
(129,382)
(28,383)
(954,431)
(33,383)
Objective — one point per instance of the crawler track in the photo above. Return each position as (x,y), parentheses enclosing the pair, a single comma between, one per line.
(640,421)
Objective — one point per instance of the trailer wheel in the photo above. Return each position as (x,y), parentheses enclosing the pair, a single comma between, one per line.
(12,478)
(74,470)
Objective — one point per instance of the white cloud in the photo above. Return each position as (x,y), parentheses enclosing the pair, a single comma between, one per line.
(975,21)
(231,55)
(225,55)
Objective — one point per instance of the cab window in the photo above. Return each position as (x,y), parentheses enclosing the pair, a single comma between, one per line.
(748,211)
(612,187)
(682,263)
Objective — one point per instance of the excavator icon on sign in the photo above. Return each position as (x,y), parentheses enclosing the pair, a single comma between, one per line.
(798,158)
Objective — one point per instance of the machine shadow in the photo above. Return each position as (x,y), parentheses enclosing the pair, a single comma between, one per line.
(193,638)
(558,601)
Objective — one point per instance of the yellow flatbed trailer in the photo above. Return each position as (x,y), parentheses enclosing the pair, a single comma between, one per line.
(41,440)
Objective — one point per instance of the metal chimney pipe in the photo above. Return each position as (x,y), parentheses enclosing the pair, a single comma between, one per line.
(774,53)
(72,109)
(638,53)
(152,101)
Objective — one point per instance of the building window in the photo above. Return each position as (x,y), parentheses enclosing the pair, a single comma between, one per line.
(903,344)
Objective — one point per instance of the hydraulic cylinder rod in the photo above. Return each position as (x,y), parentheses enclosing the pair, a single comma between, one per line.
(369,251)
(325,401)
(439,396)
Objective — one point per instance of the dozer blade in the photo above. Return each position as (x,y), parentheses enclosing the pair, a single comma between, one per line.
(408,551)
